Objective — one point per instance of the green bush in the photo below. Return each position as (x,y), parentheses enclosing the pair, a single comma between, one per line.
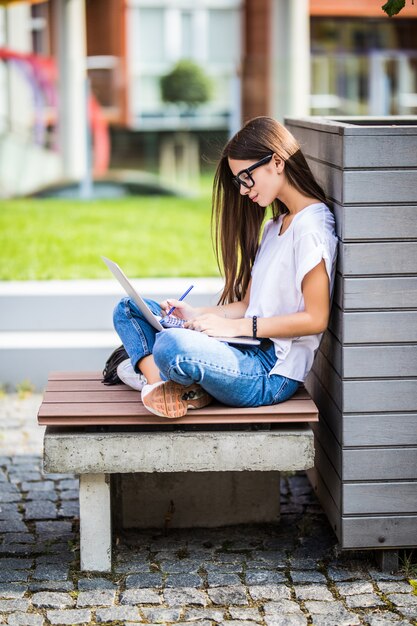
(187,83)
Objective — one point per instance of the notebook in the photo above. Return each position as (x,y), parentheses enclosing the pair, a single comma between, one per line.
(157,321)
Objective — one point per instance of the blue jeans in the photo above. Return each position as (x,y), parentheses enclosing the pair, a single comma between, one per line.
(234,375)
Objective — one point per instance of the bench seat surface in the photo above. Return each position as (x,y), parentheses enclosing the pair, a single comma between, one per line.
(81,399)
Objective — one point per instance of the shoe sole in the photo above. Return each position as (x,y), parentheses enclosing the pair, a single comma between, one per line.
(172,400)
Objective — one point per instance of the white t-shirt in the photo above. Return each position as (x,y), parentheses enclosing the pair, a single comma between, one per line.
(280,265)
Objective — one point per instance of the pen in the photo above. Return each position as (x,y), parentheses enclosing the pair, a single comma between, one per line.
(180,298)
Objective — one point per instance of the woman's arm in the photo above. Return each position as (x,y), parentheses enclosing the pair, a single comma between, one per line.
(313,320)
(234,310)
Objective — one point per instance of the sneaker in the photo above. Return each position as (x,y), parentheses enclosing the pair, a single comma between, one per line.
(169,399)
(129,377)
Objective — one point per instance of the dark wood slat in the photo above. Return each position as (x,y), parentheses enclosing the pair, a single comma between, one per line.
(101,409)
(75,376)
(191,418)
(97,385)
(119,394)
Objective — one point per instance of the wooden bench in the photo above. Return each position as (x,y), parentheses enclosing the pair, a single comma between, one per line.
(99,432)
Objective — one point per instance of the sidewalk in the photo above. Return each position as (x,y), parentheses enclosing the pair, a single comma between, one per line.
(285,575)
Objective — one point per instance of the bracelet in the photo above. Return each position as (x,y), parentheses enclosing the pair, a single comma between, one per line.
(254,326)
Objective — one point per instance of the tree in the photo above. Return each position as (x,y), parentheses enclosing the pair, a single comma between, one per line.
(186,84)
(393,7)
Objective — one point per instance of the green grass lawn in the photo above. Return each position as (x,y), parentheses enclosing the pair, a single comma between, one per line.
(64,239)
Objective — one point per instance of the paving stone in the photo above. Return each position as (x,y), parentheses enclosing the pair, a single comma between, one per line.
(9,496)
(118,613)
(71,616)
(55,476)
(384,619)
(25,619)
(143,580)
(12,590)
(238,613)
(43,509)
(223,568)
(177,581)
(52,600)
(270,592)
(54,528)
(378,575)
(338,618)
(309,576)
(97,597)
(52,585)
(302,563)
(20,477)
(234,622)
(13,576)
(339,574)
(222,580)
(267,577)
(7,606)
(403,600)
(273,559)
(140,596)
(15,564)
(215,615)
(281,607)
(395,587)
(9,511)
(184,566)
(41,495)
(286,620)
(316,607)
(71,494)
(44,485)
(69,508)
(313,592)
(12,538)
(136,566)
(363,600)
(64,557)
(69,483)
(199,623)
(90,584)
(51,572)
(228,595)
(354,588)
(185,597)
(12,526)
(159,616)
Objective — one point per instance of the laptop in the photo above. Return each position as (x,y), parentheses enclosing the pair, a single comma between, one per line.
(157,321)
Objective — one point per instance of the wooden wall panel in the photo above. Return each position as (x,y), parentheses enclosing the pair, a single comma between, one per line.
(374,396)
(374,327)
(365,223)
(385,497)
(399,292)
(385,258)
(367,464)
(379,532)
(380,429)
(385,361)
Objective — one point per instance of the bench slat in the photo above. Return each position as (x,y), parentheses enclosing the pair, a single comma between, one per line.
(97,385)
(80,399)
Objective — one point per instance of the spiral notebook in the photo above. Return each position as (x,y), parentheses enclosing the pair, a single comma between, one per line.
(155,320)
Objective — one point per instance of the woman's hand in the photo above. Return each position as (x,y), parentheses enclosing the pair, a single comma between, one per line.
(182,310)
(213,325)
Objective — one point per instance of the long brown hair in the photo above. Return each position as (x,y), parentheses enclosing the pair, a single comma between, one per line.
(236,221)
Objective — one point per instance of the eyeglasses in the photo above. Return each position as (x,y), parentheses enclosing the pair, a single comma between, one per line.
(244,177)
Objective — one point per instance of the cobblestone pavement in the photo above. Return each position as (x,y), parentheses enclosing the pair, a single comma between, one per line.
(285,575)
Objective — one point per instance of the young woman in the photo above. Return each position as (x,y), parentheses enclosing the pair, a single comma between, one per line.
(277,290)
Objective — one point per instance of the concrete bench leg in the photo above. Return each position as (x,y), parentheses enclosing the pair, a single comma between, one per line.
(95,522)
